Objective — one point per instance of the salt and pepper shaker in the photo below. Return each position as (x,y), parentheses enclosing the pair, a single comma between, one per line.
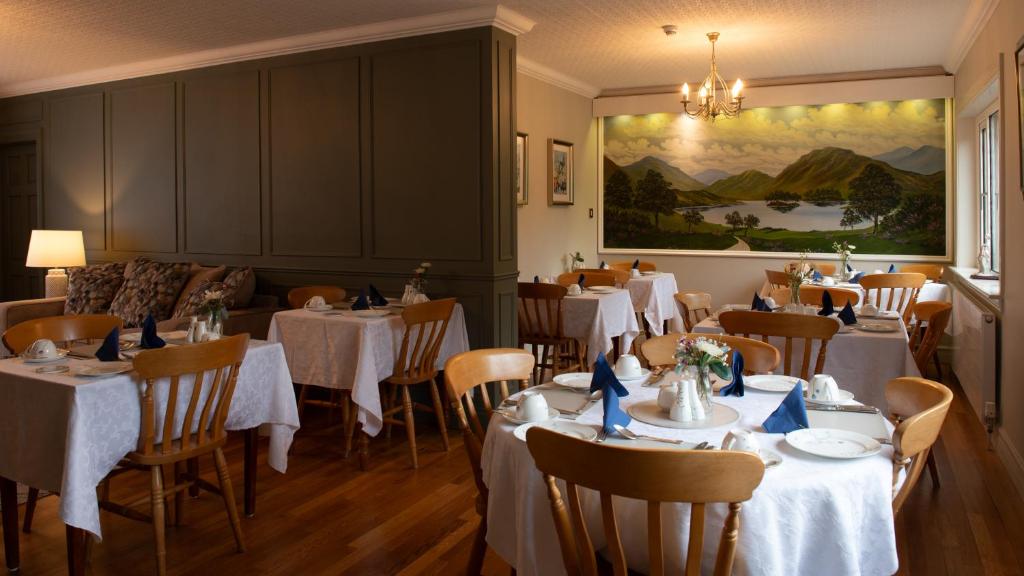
(190,336)
(200,333)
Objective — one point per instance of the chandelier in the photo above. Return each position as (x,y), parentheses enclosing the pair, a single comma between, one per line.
(714,98)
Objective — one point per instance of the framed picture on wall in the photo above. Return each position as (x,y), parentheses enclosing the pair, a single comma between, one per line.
(1019,59)
(522,169)
(560,173)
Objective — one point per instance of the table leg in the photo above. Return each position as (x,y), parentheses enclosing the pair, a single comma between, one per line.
(76,541)
(364,452)
(9,503)
(252,439)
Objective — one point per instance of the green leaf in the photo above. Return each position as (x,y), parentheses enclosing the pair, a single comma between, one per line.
(721,370)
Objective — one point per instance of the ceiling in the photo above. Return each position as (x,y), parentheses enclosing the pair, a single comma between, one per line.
(593,44)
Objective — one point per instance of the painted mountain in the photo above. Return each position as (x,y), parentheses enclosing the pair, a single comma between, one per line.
(748,185)
(924,160)
(711,175)
(677,178)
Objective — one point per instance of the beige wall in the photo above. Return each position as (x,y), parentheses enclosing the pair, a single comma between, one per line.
(1001,34)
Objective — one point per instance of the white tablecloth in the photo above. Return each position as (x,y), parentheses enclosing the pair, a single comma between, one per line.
(809,516)
(654,296)
(350,353)
(931,291)
(594,319)
(861,362)
(63,433)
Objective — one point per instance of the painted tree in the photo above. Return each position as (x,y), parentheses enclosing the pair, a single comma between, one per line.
(874,194)
(750,221)
(692,217)
(850,218)
(655,195)
(618,192)
(734,219)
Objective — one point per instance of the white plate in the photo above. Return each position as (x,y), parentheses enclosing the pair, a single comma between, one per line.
(771,382)
(833,443)
(844,396)
(61,353)
(882,314)
(877,327)
(372,313)
(574,380)
(581,431)
(324,308)
(602,289)
(103,369)
(510,415)
(650,273)
(644,373)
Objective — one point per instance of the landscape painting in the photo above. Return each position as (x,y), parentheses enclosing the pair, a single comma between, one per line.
(783,179)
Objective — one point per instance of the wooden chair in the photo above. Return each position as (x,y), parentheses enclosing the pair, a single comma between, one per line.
(696,306)
(788,326)
(466,376)
(758,357)
(598,278)
(425,327)
(811,294)
(621,276)
(931,271)
(698,477)
(542,326)
(826,268)
(297,297)
(64,331)
(777,279)
(212,370)
(919,407)
(628,265)
(782,296)
(930,321)
(907,284)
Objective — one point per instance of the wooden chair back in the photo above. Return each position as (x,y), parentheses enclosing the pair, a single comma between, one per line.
(826,268)
(297,297)
(621,276)
(598,278)
(782,296)
(541,319)
(758,357)
(696,307)
(932,319)
(931,271)
(428,323)
(628,265)
(698,477)
(63,330)
(777,278)
(202,427)
(920,407)
(789,326)
(811,294)
(467,375)
(906,284)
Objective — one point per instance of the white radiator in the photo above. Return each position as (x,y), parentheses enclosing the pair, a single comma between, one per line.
(976,356)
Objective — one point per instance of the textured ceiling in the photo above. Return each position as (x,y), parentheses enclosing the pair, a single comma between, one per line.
(604,43)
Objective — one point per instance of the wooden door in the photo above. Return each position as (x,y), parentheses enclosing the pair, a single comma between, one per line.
(20,215)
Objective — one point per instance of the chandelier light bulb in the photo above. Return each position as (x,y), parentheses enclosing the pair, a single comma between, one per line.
(686,91)
(736,88)
(703,94)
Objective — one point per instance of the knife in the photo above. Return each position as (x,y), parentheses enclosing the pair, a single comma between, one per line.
(857,409)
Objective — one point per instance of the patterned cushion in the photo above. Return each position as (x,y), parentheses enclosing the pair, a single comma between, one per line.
(149,288)
(198,275)
(190,303)
(91,289)
(241,285)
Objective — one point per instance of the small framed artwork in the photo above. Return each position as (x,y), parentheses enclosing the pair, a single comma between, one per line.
(1019,59)
(560,176)
(522,169)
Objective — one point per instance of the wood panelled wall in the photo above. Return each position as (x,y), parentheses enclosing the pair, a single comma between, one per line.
(347,165)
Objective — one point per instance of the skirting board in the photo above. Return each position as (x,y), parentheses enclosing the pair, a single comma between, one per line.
(1012,459)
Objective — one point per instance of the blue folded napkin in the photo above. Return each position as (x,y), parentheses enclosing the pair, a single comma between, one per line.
(736,387)
(602,266)
(604,380)
(536,279)
(149,339)
(759,305)
(636,264)
(847,315)
(827,308)
(856,278)
(361,303)
(817,275)
(791,415)
(892,268)
(581,280)
(849,268)
(376,298)
(110,350)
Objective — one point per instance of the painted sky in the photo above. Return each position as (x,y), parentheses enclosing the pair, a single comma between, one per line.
(769,139)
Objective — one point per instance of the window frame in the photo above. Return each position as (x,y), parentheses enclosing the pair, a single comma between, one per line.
(987,140)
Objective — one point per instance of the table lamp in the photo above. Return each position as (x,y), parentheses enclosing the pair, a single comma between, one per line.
(56,250)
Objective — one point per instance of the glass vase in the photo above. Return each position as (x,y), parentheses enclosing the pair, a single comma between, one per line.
(794,292)
(844,274)
(705,390)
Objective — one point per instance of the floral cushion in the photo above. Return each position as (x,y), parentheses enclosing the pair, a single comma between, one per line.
(198,275)
(91,289)
(239,286)
(191,303)
(149,288)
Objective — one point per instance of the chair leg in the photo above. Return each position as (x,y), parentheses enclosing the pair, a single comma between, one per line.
(410,425)
(933,469)
(391,398)
(179,497)
(30,509)
(303,390)
(157,503)
(439,410)
(478,551)
(228,492)
(350,430)
(938,365)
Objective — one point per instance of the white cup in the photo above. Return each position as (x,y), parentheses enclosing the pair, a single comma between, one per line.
(878,271)
(741,440)
(628,366)
(575,290)
(828,281)
(823,387)
(532,407)
(316,302)
(634,273)
(42,349)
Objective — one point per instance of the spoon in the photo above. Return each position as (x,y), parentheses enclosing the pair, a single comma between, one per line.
(627,433)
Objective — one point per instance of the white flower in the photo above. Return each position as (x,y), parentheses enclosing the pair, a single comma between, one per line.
(420,270)
(213,295)
(425,264)
(851,247)
(709,348)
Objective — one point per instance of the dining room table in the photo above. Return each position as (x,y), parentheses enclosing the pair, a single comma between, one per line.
(654,297)
(931,291)
(601,317)
(810,514)
(63,432)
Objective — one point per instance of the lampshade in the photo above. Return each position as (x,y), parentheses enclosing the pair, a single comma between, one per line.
(55,249)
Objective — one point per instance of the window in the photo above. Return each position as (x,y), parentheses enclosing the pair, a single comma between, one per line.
(988,184)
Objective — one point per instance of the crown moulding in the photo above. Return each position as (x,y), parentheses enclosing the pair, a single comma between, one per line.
(497,16)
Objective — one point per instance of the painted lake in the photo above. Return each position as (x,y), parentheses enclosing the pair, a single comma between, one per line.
(804,218)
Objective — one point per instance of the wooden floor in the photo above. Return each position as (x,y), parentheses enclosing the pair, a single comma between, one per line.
(327,517)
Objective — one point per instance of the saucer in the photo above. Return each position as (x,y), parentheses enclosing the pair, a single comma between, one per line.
(324,308)
(644,373)
(510,415)
(581,431)
(61,353)
(844,396)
